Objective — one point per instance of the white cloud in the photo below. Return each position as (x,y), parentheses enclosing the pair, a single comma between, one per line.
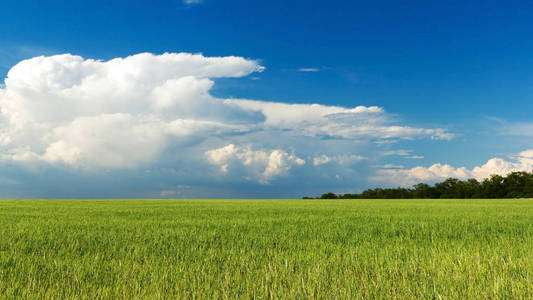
(318,120)
(145,111)
(521,162)
(399,152)
(193,1)
(117,113)
(403,153)
(392,166)
(308,69)
(340,159)
(119,140)
(259,165)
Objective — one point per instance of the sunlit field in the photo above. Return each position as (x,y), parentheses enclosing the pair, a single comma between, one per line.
(87,249)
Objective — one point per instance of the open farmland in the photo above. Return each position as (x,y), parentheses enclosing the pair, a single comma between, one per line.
(266,249)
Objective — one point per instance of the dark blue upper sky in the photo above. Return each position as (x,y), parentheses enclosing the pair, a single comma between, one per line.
(421,58)
(463,65)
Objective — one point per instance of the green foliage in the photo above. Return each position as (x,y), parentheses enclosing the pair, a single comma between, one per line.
(283,249)
(514,185)
(328,196)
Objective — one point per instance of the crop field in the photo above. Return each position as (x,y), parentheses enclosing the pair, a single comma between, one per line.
(195,249)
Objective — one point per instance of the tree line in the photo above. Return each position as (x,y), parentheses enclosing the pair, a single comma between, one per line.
(514,185)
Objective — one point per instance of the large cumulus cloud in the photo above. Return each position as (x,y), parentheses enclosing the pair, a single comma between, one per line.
(117,113)
(147,111)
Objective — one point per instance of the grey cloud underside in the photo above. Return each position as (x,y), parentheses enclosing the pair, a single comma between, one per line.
(149,112)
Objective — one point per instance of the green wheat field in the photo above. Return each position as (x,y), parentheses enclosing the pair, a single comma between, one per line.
(266,249)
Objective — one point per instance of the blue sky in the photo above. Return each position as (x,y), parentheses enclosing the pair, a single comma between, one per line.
(464,68)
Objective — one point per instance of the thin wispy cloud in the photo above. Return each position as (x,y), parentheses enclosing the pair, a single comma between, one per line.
(308,69)
(403,153)
(190,2)
(508,128)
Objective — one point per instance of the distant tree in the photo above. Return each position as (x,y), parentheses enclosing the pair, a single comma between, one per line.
(328,196)
(471,188)
(423,190)
(528,186)
(514,185)
(493,187)
(449,188)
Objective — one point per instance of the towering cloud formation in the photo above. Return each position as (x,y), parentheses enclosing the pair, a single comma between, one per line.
(150,110)
(119,113)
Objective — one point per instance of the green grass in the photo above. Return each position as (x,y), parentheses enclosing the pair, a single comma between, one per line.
(87,249)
